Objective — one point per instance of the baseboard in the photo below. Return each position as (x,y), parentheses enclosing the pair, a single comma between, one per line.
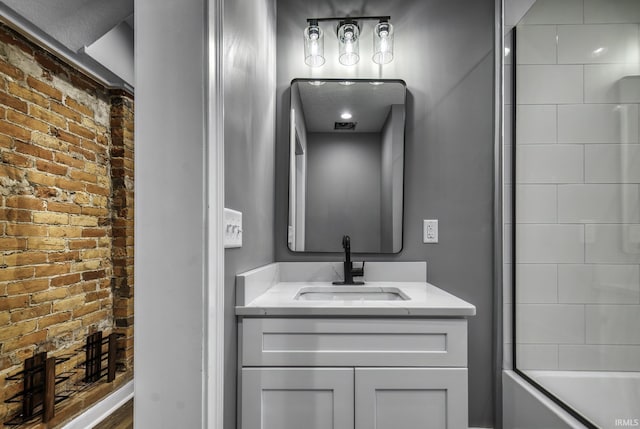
(103,409)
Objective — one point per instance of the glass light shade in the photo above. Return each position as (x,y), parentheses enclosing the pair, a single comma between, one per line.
(313,46)
(348,35)
(383,43)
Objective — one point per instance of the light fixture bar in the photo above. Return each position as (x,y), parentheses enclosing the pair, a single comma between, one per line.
(348,33)
(352,18)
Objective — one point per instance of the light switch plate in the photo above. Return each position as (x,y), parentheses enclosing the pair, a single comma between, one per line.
(232,228)
(430,231)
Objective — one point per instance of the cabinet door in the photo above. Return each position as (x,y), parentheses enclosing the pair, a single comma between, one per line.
(411,398)
(297,398)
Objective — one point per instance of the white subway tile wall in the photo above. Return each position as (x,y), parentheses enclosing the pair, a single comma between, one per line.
(549,243)
(550,324)
(555,12)
(612,244)
(537,203)
(597,44)
(598,203)
(598,123)
(607,83)
(612,323)
(537,44)
(537,124)
(598,358)
(538,356)
(612,163)
(550,164)
(537,283)
(577,186)
(598,284)
(549,84)
(611,12)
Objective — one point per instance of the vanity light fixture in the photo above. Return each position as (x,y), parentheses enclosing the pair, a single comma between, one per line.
(348,36)
(346,115)
(383,43)
(348,32)
(313,45)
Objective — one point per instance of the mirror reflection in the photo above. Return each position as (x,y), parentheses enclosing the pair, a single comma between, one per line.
(346,165)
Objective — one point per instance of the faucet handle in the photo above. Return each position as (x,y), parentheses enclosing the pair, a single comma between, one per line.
(358,272)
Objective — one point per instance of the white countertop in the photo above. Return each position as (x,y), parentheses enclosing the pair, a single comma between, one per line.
(424,300)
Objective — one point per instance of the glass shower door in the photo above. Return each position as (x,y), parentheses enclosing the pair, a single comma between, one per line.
(577,205)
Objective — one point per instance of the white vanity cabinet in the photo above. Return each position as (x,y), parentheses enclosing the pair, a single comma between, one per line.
(346,373)
(297,398)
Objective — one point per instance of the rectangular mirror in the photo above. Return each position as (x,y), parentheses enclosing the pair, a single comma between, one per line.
(346,166)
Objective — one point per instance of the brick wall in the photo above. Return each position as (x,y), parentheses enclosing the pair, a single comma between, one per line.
(122,217)
(66,211)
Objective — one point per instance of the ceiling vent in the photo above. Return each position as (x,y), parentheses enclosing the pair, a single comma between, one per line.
(347,126)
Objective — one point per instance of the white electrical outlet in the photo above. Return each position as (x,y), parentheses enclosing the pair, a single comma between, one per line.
(430,231)
(232,228)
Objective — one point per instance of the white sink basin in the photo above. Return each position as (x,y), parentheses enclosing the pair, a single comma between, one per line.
(350,293)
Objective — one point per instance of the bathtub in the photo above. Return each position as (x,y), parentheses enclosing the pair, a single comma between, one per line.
(608,399)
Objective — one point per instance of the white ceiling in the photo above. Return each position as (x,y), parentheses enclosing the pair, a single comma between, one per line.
(74,23)
(72,28)
(369,104)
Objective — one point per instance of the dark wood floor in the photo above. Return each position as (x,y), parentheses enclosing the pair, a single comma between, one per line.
(122,418)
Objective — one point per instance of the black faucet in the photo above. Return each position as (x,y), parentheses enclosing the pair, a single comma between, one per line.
(349,271)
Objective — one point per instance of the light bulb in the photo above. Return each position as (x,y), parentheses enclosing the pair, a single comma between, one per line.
(383,43)
(348,43)
(313,45)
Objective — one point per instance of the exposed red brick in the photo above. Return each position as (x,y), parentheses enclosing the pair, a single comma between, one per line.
(50,167)
(6,36)
(33,150)
(27,121)
(82,131)
(27,94)
(65,280)
(66,232)
(13,102)
(44,88)
(11,70)
(15,159)
(48,62)
(66,112)
(69,160)
(70,138)
(63,207)
(13,130)
(13,215)
(25,202)
(78,107)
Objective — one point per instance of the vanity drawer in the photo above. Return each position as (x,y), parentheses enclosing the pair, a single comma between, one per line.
(354,342)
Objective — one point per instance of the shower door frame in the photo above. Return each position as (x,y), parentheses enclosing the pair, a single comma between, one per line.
(573,412)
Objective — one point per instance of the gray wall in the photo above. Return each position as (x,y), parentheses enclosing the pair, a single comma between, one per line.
(444,52)
(170,200)
(343,190)
(249,133)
